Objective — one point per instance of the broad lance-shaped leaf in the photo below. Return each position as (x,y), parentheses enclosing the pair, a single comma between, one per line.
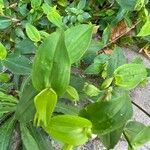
(77,41)
(128,76)
(6,134)
(54,17)
(28,141)
(25,110)
(43,62)
(137,134)
(18,64)
(60,74)
(3,52)
(33,33)
(55,66)
(45,103)
(111,139)
(43,142)
(72,130)
(106,115)
(5,23)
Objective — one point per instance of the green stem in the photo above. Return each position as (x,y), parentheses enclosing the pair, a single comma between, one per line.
(67,147)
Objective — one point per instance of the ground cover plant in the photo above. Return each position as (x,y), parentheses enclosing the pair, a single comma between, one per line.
(64,76)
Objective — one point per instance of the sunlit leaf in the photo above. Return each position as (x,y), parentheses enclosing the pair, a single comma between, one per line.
(3,52)
(33,33)
(69,129)
(45,103)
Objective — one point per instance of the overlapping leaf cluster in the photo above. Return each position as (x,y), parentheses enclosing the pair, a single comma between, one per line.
(63,75)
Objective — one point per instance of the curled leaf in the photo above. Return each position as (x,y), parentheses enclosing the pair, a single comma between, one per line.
(72,94)
(45,103)
(91,90)
(72,130)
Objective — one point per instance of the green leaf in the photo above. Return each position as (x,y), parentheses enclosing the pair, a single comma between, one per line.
(54,17)
(62,2)
(44,34)
(117,59)
(1,6)
(106,35)
(91,90)
(18,64)
(111,139)
(36,3)
(3,52)
(106,83)
(28,141)
(81,4)
(77,40)
(72,130)
(56,70)
(43,142)
(4,23)
(109,113)
(140,4)
(128,76)
(43,62)
(46,8)
(145,30)
(102,58)
(66,109)
(128,5)
(33,33)
(6,133)
(25,110)
(45,103)
(137,133)
(7,98)
(60,75)
(4,77)
(148,72)
(7,103)
(26,46)
(94,68)
(71,93)
(52,46)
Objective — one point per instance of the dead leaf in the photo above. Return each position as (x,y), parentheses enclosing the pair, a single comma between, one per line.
(108,51)
(147,51)
(120,29)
